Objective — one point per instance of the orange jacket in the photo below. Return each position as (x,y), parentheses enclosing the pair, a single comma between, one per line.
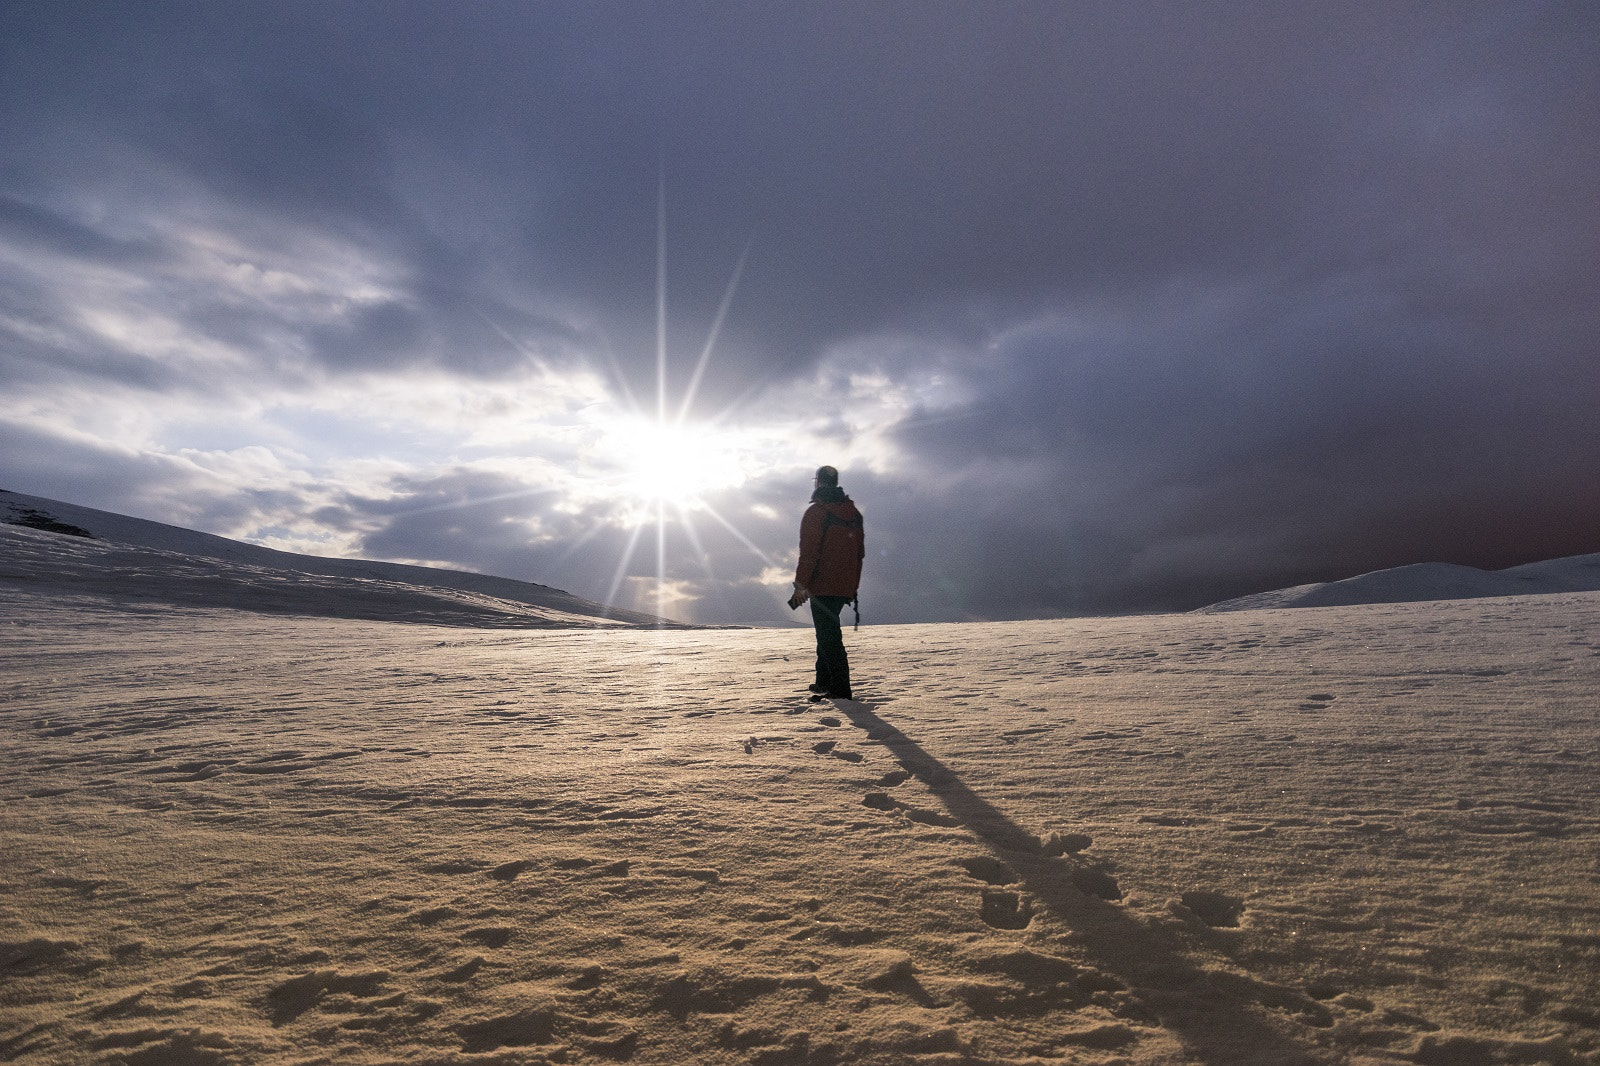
(832,544)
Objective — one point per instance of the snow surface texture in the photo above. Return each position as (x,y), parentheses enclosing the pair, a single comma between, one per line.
(1354,835)
(1429,581)
(1362,834)
(79,551)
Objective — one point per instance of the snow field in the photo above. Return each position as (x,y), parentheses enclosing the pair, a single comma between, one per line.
(1354,834)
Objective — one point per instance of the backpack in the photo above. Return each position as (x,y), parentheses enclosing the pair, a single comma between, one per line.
(829,520)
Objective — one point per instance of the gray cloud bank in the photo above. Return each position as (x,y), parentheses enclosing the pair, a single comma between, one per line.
(1200,299)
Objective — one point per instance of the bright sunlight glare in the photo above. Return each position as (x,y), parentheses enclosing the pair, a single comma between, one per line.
(673,462)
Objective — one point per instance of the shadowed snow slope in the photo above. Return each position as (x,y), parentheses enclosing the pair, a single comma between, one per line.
(1429,581)
(66,550)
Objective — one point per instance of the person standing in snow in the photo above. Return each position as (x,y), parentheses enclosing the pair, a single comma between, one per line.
(832,546)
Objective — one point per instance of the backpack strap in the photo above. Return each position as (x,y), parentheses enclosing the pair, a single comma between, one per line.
(816,567)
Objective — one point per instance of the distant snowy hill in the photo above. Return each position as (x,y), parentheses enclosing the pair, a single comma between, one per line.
(1429,581)
(59,549)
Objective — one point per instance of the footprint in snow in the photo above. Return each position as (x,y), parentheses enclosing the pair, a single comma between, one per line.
(989,869)
(1006,910)
(1172,821)
(1215,909)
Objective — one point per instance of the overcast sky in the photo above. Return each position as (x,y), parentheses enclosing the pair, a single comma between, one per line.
(1097,306)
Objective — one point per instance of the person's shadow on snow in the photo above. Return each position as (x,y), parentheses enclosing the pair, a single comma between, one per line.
(1220,1017)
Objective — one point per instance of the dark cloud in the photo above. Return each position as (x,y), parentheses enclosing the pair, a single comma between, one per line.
(28,225)
(1153,461)
(1220,295)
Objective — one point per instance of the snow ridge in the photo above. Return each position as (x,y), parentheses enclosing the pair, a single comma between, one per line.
(60,549)
(1428,581)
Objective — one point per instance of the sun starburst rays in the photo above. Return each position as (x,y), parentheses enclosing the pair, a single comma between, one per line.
(622,467)
(670,464)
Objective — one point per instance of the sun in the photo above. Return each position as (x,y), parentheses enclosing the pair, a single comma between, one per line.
(673,462)
(667,469)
